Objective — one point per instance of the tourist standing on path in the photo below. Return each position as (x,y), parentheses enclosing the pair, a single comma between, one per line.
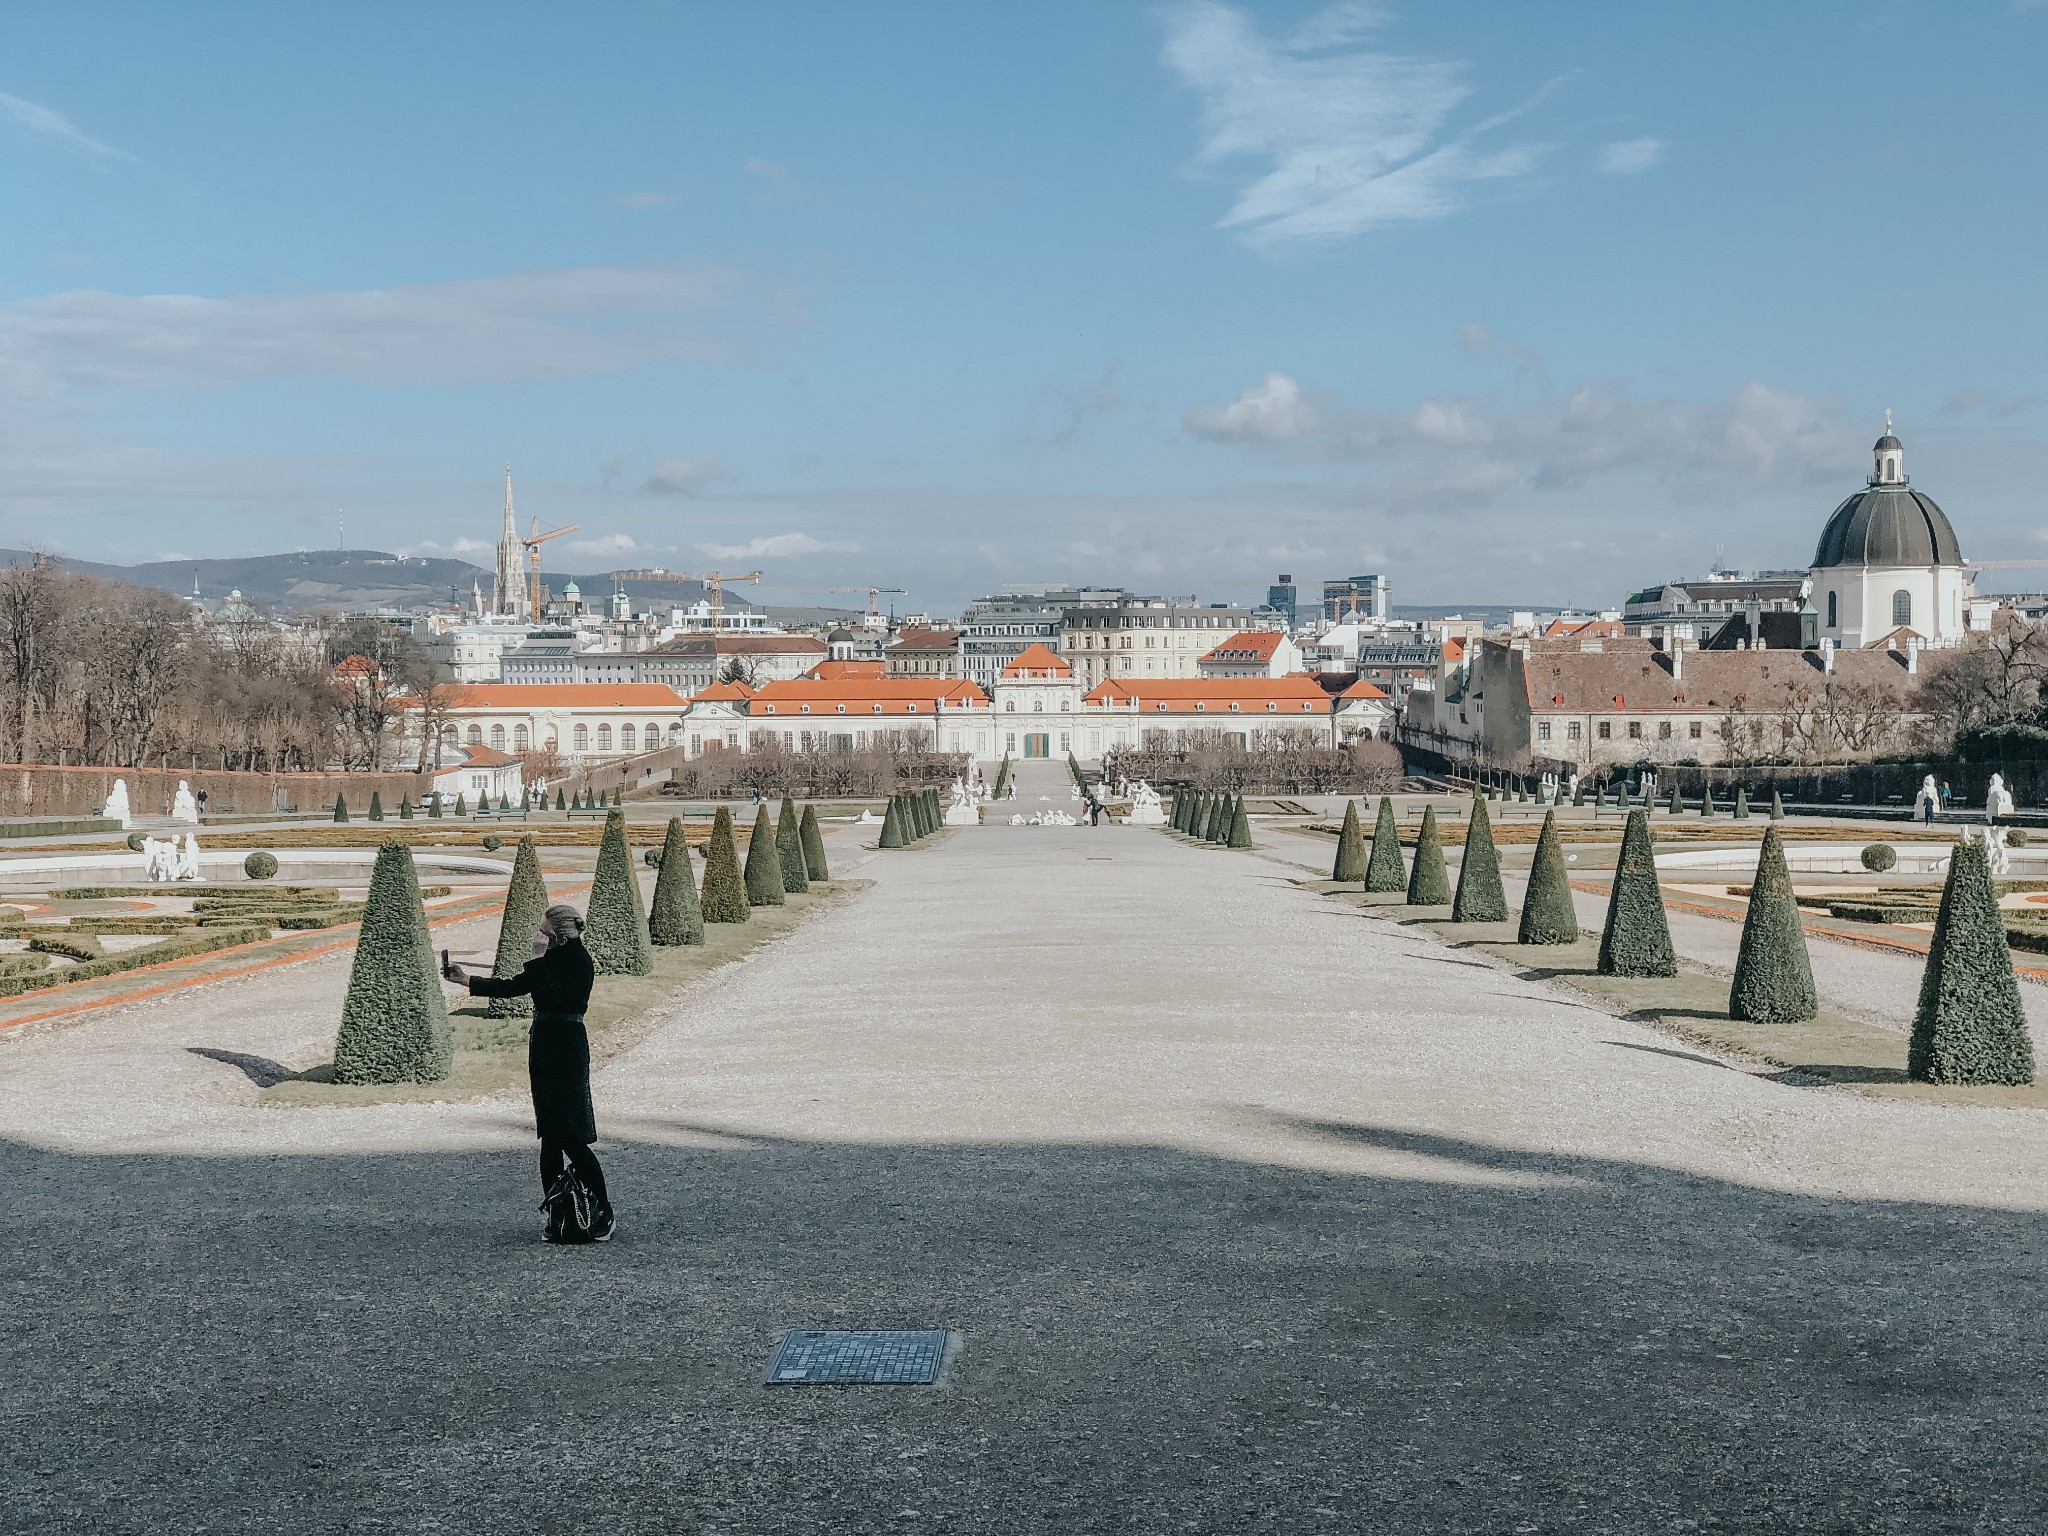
(558,978)
(1928,801)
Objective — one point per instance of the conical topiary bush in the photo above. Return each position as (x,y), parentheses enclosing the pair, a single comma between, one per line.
(1212,817)
(1600,796)
(1384,872)
(405,807)
(813,844)
(1773,976)
(461,804)
(341,807)
(1777,806)
(1742,803)
(675,919)
(526,902)
(394,1021)
(723,897)
(1579,793)
(1479,898)
(764,864)
(1548,915)
(1429,882)
(1970,1026)
(1706,800)
(434,805)
(1636,939)
(1349,864)
(376,805)
(1677,802)
(615,929)
(789,849)
(560,803)
(892,825)
(1240,826)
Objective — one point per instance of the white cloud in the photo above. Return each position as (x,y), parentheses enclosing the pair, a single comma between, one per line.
(601,548)
(1626,157)
(685,477)
(455,551)
(172,554)
(1355,139)
(561,323)
(1274,410)
(644,200)
(55,126)
(780,546)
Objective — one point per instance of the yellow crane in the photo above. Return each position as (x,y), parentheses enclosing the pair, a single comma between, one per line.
(533,541)
(714,583)
(874,612)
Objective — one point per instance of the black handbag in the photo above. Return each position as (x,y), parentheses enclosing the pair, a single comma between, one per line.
(569,1213)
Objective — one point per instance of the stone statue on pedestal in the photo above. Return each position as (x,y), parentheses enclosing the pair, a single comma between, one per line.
(1997,799)
(1146,810)
(117,804)
(184,807)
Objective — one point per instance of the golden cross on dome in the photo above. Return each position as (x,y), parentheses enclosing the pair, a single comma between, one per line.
(1887,421)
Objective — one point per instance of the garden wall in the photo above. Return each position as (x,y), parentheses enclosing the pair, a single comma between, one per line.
(45,789)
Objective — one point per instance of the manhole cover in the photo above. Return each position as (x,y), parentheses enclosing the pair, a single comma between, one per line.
(900,1357)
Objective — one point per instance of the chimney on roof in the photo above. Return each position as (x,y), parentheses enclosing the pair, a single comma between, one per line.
(1827,654)
(1913,657)
(1675,646)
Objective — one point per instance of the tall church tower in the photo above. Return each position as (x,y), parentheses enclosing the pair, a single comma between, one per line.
(508,585)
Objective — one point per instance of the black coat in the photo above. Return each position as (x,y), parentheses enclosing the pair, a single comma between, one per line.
(557,1049)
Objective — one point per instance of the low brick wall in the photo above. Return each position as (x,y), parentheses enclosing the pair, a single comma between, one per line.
(44,789)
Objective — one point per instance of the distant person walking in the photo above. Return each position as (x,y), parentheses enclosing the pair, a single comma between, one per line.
(202,802)
(558,978)
(1928,801)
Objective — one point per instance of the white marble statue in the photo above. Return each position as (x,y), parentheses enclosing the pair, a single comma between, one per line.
(962,807)
(188,861)
(117,805)
(1146,810)
(1928,801)
(1016,821)
(1997,857)
(159,860)
(184,807)
(867,818)
(1997,799)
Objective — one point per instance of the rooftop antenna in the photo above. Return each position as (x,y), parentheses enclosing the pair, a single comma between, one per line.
(340,531)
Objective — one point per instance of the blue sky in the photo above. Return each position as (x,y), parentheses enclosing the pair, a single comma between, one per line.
(1515,303)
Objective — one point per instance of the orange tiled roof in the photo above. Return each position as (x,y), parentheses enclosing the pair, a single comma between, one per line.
(562,696)
(1363,690)
(926,640)
(1591,628)
(828,670)
(1036,658)
(1454,650)
(1295,694)
(720,691)
(480,757)
(1248,645)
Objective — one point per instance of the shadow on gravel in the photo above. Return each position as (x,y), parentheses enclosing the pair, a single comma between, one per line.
(1658,1050)
(1373,1330)
(260,1070)
(1820,1074)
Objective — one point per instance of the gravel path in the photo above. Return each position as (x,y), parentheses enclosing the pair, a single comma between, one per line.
(1253,1213)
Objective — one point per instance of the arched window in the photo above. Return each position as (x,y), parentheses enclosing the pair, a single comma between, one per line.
(498,738)
(475,737)
(1902,607)
(675,735)
(554,742)
(653,736)
(582,737)
(604,738)
(1834,621)
(448,735)
(519,738)
(629,739)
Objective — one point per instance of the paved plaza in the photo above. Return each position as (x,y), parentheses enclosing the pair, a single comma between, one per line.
(1250,1212)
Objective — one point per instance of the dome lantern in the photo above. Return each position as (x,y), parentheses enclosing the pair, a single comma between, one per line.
(1889,455)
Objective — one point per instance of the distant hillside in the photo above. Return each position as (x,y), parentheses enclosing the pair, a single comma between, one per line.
(362,578)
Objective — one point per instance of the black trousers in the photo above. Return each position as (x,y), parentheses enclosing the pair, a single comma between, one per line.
(553,1154)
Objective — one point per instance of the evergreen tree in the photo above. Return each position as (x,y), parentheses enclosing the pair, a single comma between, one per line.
(1480,898)
(526,902)
(1548,916)
(892,825)
(340,807)
(675,919)
(405,807)
(1195,813)
(615,930)
(376,805)
(1225,815)
(1777,807)
(814,846)
(434,805)
(560,803)
(789,847)
(764,864)
(1383,871)
(1742,803)
(1636,940)
(1970,1026)
(1240,826)
(394,1021)
(461,804)
(1773,977)
(1350,862)
(1429,882)
(1600,795)
(1706,800)
(1002,777)
(1579,793)
(724,896)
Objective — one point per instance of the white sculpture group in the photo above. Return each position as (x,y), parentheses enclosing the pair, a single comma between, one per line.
(164,861)
(1146,810)
(963,805)
(1045,819)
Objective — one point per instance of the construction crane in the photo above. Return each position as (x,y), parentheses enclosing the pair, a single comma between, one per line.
(874,610)
(533,541)
(714,583)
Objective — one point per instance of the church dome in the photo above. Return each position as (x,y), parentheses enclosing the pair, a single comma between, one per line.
(1888,525)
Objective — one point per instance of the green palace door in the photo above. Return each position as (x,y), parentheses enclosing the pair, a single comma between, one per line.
(1038,744)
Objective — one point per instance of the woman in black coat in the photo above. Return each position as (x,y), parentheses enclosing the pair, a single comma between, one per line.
(558,978)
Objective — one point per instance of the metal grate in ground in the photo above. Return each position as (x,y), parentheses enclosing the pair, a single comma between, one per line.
(877,1357)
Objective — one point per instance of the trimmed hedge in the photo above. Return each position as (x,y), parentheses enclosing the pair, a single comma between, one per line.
(74,826)
(789,849)
(1429,882)
(892,825)
(724,894)
(1636,939)
(132,959)
(1548,915)
(394,1020)
(677,918)
(1384,872)
(764,863)
(23,964)
(72,946)
(260,866)
(1773,974)
(1883,912)
(1480,898)
(1970,1026)
(526,902)
(1879,857)
(813,845)
(615,926)
(1240,826)
(1349,865)
(325,893)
